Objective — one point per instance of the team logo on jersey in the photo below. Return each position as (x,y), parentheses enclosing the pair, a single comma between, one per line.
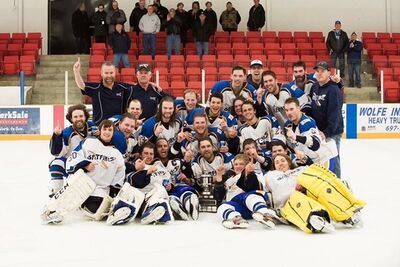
(318,99)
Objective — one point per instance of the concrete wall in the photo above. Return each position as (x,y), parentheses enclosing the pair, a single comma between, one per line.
(309,15)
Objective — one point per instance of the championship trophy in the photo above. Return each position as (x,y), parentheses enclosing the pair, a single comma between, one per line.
(207,200)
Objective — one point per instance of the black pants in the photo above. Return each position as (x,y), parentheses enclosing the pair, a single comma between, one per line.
(82,45)
(100,38)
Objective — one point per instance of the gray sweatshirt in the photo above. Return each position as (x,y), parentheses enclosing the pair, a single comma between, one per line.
(149,24)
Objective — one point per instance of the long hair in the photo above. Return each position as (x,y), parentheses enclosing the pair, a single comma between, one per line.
(159,111)
(71,109)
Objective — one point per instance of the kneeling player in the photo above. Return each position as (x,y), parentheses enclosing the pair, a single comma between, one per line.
(311,196)
(147,186)
(94,167)
(244,195)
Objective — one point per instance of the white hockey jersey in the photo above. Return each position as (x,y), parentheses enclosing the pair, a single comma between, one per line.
(110,166)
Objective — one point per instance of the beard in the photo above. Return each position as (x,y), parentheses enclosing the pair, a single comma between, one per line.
(79,125)
(109,80)
(300,79)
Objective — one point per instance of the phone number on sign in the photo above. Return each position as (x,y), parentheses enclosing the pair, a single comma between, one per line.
(392,128)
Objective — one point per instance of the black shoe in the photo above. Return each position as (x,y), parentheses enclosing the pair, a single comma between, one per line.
(358,85)
(351,85)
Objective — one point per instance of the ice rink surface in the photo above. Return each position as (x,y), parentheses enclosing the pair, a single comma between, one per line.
(371,166)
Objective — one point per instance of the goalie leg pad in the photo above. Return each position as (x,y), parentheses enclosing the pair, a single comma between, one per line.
(70,197)
(323,186)
(101,212)
(126,205)
(299,208)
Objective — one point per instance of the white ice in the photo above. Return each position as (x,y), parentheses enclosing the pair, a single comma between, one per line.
(370,165)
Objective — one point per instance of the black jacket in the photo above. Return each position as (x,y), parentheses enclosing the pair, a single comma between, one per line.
(340,45)
(80,23)
(135,17)
(211,18)
(173,26)
(120,42)
(201,33)
(354,53)
(256,18)
(99,22)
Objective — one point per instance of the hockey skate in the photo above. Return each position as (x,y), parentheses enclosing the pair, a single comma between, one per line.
(268,218)
(236,222)
(178,209)
(355,220)
(320,224)
(192,206)
(51,217)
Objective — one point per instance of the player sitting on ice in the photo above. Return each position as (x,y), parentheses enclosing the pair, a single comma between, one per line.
(147,186)
(183,198)
(310,196)
(64,141)
(244,196)
(93,167)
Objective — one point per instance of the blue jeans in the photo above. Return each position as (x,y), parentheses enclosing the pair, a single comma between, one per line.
(173,41)
(337,169)
(334,57)
(354,69)
(149,44)
(117,58)
(202,48)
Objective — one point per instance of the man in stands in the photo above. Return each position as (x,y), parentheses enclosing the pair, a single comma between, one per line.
(109,98)
(136,15)
(149,24)
(235,87)
(337,42)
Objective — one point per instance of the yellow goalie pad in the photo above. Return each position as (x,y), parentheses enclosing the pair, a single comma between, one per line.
(324,186)
(299,208)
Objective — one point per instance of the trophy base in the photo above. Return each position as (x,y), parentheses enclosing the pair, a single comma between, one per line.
(208,204)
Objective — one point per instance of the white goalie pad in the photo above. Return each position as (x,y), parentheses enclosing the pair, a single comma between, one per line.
(70,197)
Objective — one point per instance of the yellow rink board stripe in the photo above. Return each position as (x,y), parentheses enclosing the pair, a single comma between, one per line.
(11,137)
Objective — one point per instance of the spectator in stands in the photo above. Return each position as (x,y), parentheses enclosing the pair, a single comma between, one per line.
(326,108)
(201,34)
(120,43)
(149,24)
(136,15)
(161,12)
(256,17)
(230,18)
(173,27)
(211,17)
(184,17)
(80,27)
(100,25)
(337,42)
(109,98)
(146,92)
(256,69)
(354,52)
(115,16)
(194,13)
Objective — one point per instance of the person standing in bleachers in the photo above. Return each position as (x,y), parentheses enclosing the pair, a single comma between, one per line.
(201,34)
(354,52)
(211,17)
(80,27)
(161,12)
(230,18)
(100,25)
(136,15)
(184,17)
(120,43)
(337,42)
(149,24)
(115,16)
(173,27)
(256,17)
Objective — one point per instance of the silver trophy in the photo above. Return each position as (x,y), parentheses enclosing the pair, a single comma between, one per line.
(207,200)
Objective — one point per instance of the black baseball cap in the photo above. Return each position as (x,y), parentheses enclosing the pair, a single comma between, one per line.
(145,67)
(322,65)
(338,22)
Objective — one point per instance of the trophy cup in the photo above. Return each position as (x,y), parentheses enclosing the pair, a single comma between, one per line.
(207,200)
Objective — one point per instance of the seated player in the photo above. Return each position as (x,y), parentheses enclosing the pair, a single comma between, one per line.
(262,163)
(299,158)
(63,142)
(93,167)
(244,196)
(311,196)
(146,190)
(236,110)
(183,198)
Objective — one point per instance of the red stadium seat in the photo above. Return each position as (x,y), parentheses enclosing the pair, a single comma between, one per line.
(383,37)
(225,61)
(128,75)
(304,49)
(18,38)
(240,49)
(195,85)
(145,59)
(176,61)
(223,49)
(256,49)
(193,74)
(221,37)
(193,61)
(387,74)
(31,49)
(177,88)
(290,59)
(288,49)
(209,61)
(317,37)
(5,38)
(273,49)
(396,74)
(94,75)
(300,37)
(177,74)
(275,61)
(396,37)
(161,61)
(390,49)
(269,37)
(280,74)
(27,64)
(285,37)
(34,38)
(98,49)
(14,49)
(391,91)
(374,49)
(238,37)
(254,37)
(320,49)
(190,49)
(162,74)
(394,61)
(379,61)
(242,60)
(224,73)
(211,73)
(11,65)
